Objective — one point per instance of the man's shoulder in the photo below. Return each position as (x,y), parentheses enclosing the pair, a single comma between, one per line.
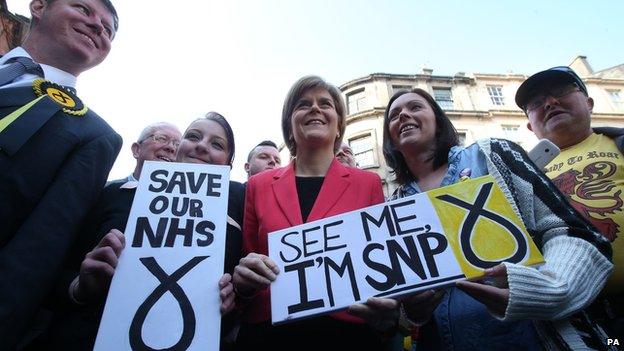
(361,174)
(611,132)
(268,175)
(116,183)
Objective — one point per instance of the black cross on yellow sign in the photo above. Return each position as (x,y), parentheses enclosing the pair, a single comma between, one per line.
(61,97)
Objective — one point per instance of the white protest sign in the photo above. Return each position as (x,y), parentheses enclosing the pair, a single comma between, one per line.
(165,294)
(406,245)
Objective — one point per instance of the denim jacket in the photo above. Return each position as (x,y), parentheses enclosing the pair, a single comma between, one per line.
(460,322)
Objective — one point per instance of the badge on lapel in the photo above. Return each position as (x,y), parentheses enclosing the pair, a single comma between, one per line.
(69,101)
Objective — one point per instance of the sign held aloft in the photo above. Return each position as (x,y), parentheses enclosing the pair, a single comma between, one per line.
(165,294)
(415,243)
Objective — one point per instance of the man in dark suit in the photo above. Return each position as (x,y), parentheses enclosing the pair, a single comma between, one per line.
(55,154)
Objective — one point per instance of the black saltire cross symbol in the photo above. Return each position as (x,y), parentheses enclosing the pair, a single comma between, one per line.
(477,210)
(167,283)
(61,96)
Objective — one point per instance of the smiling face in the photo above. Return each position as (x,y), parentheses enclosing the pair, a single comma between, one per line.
(315,120)
(412,123)
(72,35)
(564,120)
(204,141)
(157,142)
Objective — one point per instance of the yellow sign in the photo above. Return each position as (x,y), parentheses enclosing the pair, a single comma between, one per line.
(482,227)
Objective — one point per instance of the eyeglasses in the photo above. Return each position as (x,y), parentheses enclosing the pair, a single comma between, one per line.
(556,92)
(162,139)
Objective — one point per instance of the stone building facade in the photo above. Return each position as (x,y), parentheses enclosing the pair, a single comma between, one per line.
(480,105)
(13,28)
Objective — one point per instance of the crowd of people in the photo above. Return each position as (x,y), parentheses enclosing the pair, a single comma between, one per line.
(61,224)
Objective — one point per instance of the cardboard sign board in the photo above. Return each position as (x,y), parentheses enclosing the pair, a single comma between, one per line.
(165,294)
(403,246)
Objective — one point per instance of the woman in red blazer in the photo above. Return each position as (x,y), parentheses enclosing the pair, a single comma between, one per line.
(314,186)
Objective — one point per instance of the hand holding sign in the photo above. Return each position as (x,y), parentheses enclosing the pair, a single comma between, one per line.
(406,245)
(226,293)
(253,273)
(419,307)
(164,293)
(494,296)
(98,267)
(380,313)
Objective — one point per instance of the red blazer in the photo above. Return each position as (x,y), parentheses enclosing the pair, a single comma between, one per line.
(271,204)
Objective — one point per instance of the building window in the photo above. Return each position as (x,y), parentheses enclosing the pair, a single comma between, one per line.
(396,88)
(443,97)
(356,101)
(510,132)
(496,94)
(616,98)
(364,150)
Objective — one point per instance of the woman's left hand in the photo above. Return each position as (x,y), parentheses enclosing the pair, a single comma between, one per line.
(226,292)
(494,294)
(381,314)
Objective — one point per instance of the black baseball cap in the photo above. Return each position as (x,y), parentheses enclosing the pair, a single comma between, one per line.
(559,74)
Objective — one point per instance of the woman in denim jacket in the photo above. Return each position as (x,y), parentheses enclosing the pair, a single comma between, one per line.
(527,308)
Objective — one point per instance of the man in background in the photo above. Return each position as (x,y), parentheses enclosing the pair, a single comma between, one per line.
(262,157)
(589,171)
(345,155)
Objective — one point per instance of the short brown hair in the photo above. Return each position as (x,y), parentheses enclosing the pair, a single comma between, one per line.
(296,92)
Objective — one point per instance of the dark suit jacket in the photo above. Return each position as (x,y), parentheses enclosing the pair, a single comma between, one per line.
(74,327)
(46,190)
(272,204)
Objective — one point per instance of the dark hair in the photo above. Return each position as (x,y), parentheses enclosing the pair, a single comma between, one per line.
(445,138)
(262,143)
(229,134)
(296,91)
(107,3)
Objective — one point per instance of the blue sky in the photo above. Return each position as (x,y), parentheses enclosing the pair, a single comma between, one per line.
(240,57)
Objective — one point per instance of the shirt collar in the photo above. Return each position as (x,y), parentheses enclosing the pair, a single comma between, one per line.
(52,74)
(131,182)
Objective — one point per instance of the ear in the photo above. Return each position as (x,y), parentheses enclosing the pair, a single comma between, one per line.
(529,127)
(135,149)
(37,8)
(590,104)
(246,167)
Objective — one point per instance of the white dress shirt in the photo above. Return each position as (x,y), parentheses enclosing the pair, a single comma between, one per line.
(52,74)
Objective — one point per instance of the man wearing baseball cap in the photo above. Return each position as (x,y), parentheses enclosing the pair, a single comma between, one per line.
(589,171)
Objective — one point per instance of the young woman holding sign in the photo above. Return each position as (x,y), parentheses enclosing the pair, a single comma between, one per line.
(314,186)
(421,145)
(210,140)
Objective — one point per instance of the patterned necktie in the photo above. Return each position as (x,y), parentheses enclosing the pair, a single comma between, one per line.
(18,67)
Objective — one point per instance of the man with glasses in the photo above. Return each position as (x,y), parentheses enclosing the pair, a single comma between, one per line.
(81,291)
(589,171)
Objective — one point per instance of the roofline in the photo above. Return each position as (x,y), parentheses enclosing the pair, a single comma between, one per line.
(378,76)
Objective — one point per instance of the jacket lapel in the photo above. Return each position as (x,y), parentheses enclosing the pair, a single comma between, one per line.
(16,96)
(285,192)
(335,184)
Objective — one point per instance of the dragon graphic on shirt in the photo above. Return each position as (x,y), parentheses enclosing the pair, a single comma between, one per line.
(592,184)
